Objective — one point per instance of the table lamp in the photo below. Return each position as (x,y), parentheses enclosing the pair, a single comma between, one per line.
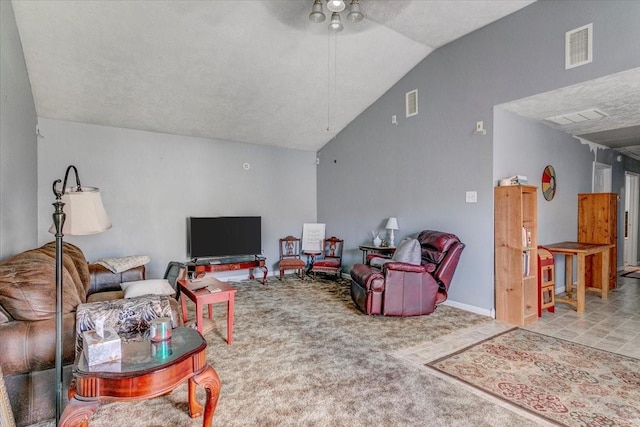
(392,224)
(83,214)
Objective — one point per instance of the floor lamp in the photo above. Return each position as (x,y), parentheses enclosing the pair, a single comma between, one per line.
(83,214)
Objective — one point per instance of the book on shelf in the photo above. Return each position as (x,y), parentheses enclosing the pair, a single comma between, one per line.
(526,263)
(526,237)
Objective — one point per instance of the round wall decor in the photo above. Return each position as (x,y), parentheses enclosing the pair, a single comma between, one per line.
(549,182)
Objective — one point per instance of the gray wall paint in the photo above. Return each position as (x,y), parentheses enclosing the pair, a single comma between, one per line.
(151,182)
(626,164)
(420,169)
(18,153)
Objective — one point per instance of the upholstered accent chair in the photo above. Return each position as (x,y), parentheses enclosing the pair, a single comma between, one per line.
(290,256)
(330,261)
(411,286)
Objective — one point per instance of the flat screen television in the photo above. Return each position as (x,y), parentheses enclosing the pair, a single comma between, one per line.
(211,237)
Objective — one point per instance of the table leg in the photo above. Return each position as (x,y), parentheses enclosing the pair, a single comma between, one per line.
(210,310)
(195,408)
(207,378)
(605,274)
(581,283)
(568,274)
(183,298)
(77,413)
(310,259)
(230,305)
(199,316)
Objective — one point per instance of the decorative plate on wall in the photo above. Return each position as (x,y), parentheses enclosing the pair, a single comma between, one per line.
(549,182)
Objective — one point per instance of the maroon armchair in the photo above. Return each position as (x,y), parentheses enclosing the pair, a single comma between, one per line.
(402,289)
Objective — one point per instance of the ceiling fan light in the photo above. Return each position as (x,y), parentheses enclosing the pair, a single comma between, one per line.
(354,12)
(316,14)
(335,5)
(335,24)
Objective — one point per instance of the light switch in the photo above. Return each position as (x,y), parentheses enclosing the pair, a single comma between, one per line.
(472,196)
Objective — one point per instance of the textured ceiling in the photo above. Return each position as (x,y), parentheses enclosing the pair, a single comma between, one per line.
(249,71)
(617,95)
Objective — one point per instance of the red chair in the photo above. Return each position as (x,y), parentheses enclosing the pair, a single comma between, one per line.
(290,256)
(330,261)
(402,289)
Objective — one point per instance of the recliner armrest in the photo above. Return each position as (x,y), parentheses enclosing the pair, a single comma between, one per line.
(368,277)
(403,266)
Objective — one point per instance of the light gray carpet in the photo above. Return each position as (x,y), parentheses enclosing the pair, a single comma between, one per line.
(303,355)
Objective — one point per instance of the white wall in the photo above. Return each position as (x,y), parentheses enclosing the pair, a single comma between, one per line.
(18,154)
(151,182)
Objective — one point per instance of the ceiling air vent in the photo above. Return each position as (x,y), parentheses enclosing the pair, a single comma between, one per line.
(581,116)
(578,46)
(411,99)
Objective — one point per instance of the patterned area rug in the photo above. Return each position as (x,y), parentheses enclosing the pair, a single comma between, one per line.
(561,381)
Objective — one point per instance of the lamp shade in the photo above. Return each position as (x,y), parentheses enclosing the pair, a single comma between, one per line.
(316,14)
(336,5)
(354,12)
(392,224)
(85,213)
(335,24)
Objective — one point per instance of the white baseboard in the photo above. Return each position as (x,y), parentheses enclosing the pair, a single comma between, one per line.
(466,307)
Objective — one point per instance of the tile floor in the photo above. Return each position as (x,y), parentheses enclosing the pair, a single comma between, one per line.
(612,324)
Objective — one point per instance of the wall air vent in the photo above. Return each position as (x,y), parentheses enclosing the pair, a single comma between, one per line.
(578,46)
(411,99)
(582,116)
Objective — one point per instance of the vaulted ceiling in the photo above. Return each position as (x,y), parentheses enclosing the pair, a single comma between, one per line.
(255,71)
(249,71)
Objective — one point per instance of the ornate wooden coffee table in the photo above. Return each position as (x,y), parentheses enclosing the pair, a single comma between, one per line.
(147,370)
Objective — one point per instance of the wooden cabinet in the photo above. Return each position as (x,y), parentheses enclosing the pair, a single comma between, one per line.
(598,223)
(516,253)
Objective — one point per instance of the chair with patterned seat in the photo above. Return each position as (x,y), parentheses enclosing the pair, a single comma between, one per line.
(290,256)
(330,261)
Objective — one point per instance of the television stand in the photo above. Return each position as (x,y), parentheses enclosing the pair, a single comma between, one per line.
(231,264)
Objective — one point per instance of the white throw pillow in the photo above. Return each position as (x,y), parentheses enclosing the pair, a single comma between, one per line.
(409,251)
(145,287)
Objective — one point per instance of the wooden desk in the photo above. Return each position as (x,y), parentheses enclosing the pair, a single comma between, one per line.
(383,250)
(208,291)
(581,250)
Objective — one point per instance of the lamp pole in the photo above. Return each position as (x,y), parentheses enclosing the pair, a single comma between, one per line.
(58,221)
(86,216)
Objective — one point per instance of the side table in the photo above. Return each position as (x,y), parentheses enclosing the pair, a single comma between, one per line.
(207,291)
(142,374)
(311,257)
(383,250)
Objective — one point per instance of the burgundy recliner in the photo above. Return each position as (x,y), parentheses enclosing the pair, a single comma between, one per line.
(402,289)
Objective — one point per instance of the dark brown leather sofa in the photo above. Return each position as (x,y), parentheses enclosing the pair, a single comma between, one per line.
(402,289)
(27,322)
